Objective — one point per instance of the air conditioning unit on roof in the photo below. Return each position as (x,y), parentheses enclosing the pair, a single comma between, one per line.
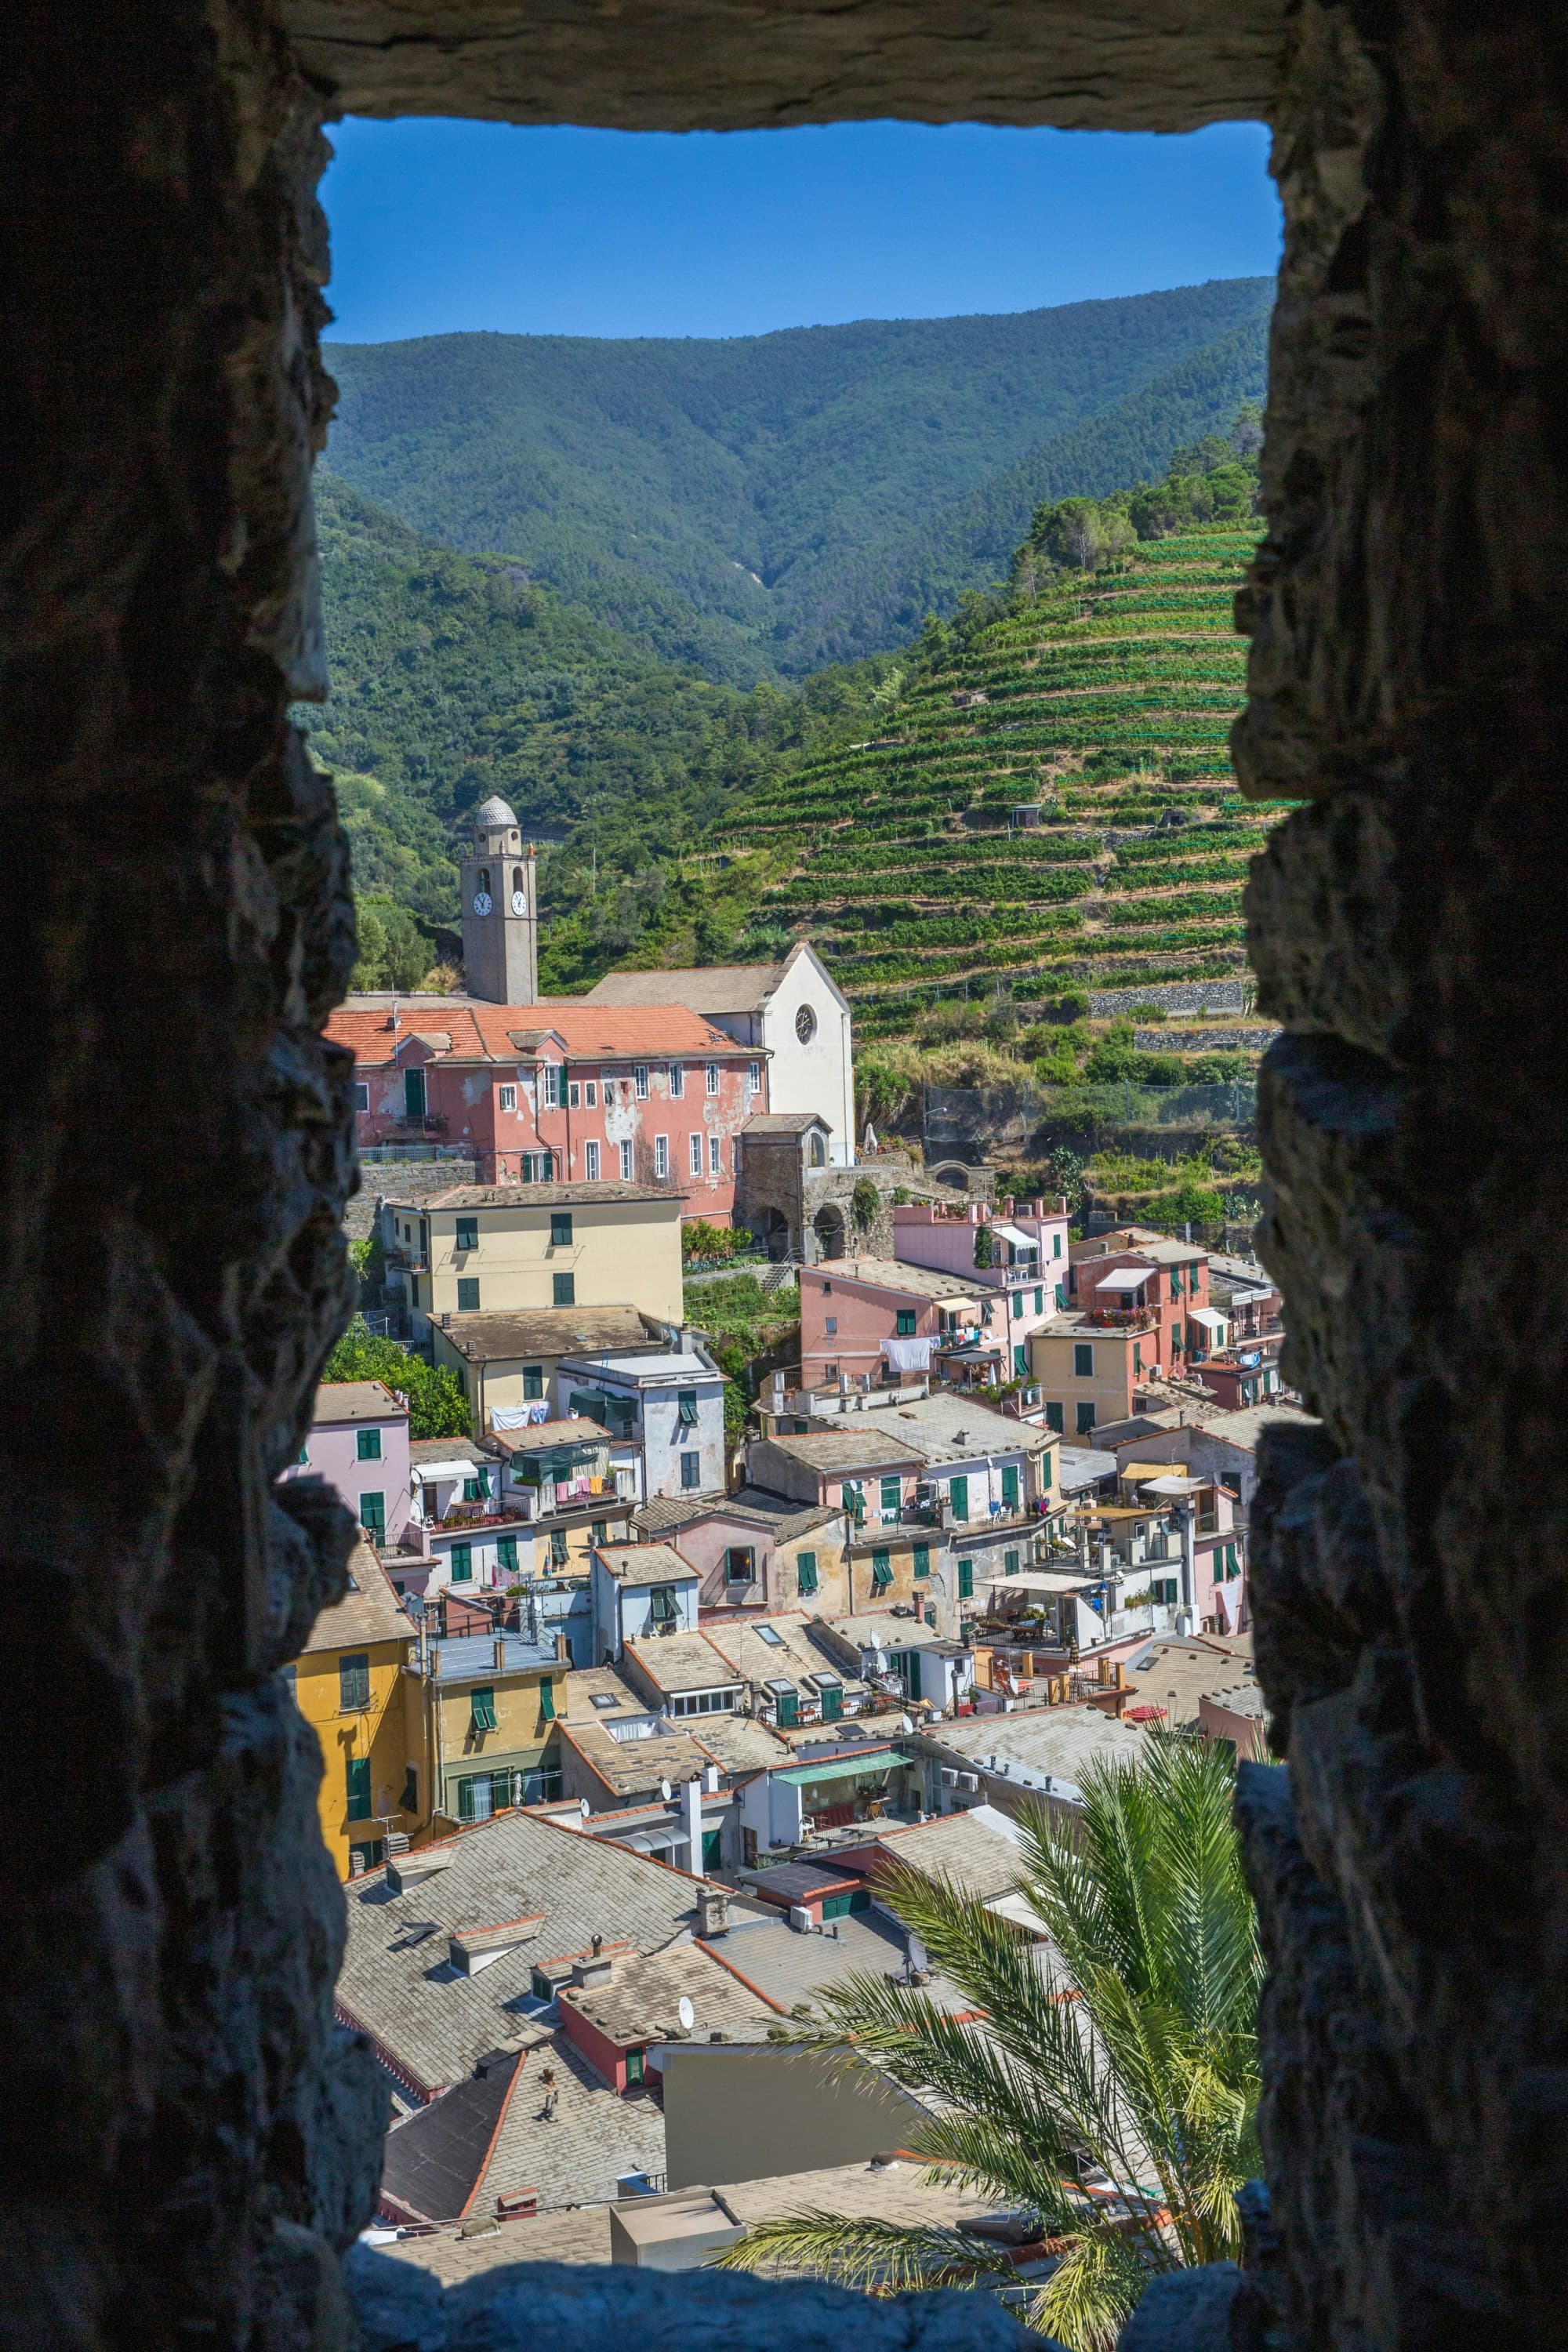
(949,1777)
(969,1780)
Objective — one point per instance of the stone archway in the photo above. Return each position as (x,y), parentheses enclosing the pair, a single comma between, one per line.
(829,1228)
(174,1193)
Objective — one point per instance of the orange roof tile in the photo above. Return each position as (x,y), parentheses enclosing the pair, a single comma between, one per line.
(487,1032)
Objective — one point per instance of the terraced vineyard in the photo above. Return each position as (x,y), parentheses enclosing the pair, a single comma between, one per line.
(1107,702)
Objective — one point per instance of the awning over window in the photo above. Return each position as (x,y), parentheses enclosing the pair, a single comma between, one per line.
(1043,1581)
(1207,1318)
(1017,1236)
(842,1768)
(432,1474)
(1126,1277)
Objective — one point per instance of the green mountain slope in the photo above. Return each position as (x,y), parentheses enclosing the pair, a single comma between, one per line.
(1106,701)
(715,500)
(880,595)
(455,676)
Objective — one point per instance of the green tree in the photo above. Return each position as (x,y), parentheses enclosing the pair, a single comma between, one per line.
(394,953)
(436,1405)
(864,1202)
(1133,2052)
(985,1246)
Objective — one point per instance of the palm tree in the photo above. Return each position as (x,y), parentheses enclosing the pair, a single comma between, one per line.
(1105,2082)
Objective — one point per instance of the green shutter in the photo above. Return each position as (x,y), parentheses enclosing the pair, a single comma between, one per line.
(958,1496)
(1039,1299)
(466,1800)
(482,1704)
(805,1572)
(1010,1486)
(547,1701)
(468,1294)
(506,1554)
(563,1289)
(892,1496)
(561,1229)
(472,1490)
(881,1568)
(1020,1362)
(922,1559)
(713,1849)
(359,1789)
(832,1704)
(906,1326)
(1083,1363)
(966,1580)
(414,1094)
(914,1683)
(532,1383)
(468,1233)
(368,1443)
(1009,1563)
(687,1402)
(462,1557)
(788,1707)
(372,1516)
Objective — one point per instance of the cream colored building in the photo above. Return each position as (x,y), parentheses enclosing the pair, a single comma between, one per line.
(478,1248)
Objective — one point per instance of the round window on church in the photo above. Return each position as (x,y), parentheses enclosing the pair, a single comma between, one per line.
(806,1024)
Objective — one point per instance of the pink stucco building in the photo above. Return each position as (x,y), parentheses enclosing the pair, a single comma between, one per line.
(874,1317)
(1019,1254)
(359,1443)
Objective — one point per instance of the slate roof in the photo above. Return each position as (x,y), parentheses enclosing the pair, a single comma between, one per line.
(1058,1740)
(681,1661)
(897,1274)
(584,1685)
(782,1122)
(448,1449)
(715,988)
(1192,1669)
(865,1444)
(978,1849)
(432,2164)
(945,1427)
(739,1744)
(369,1612)
(538,1196)
(397,1982)
(789,1968)
(795,1656)
(546,1331)
(471,1657)
(338,1400)
(650,1563)
(641,1999)
(778,1516)
(629,1767)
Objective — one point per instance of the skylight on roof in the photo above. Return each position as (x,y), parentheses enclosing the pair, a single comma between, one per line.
(771,1636)
(602,1699)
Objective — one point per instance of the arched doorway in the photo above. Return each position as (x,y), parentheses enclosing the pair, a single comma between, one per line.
(775,1235)
(828,1226)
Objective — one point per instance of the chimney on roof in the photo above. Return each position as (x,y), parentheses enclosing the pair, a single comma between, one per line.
(498,1649)
(562,1649)
(597,1943)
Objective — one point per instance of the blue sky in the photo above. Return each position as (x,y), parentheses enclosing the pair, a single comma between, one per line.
(440,225)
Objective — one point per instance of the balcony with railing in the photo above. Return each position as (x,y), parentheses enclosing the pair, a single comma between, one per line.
(1123,1318)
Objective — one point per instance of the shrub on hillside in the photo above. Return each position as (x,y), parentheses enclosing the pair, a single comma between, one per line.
(436,1405)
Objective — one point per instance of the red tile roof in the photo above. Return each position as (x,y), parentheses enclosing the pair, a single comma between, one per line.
(490,1032)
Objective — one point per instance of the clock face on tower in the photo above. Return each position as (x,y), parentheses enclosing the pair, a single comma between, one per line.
(520,902)
(481,902)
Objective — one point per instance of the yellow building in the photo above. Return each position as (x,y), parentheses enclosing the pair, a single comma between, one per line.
(480,1248)
(1089,1373)
(489,1705)
(352,1687)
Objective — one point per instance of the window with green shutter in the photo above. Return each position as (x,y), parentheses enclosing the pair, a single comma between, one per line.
(468,1294)
(367,1443)
(1083,1363)
(468,1233)
(1040,1300)
(832,1703)
(557,1547)
(1009,1563)
(473,1490)
(686,1405)
(1043,1471)
(547,1701)
(788,1704)
(892,1498)
(1010,1486)
(482,1710)
(563,1289)
(1020,1363)
(882,1568)
(561,1229)
(922,1559)
(462,1557)
(958,1496)
(354,1684)
(966,1580)
(360,1799)
(805,1572)
(1055,1418)
(906,1323)
(634,2069)
(506,1555)
(532,1383)
(372,1516)
(414,1094)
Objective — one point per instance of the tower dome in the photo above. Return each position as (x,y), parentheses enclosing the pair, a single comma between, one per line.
(491,814)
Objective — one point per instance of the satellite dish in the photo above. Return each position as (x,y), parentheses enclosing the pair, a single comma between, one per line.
(665,1791)
(584,1807)
(905,1723)
(686,2013)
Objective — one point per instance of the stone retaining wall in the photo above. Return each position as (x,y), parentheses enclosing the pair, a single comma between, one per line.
(1171,996)
(1204,1041)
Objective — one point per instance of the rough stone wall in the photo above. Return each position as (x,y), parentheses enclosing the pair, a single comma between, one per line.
(183,2142)
(1411,1564)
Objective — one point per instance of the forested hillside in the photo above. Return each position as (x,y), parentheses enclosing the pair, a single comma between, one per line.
(455,676)
(754,507)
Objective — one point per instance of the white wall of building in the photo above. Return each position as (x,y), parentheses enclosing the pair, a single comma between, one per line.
(817,1074)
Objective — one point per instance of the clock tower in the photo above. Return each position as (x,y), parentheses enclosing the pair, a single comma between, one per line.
(500,919)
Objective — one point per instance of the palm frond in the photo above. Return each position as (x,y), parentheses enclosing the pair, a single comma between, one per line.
(1091,2295)
(864,2253)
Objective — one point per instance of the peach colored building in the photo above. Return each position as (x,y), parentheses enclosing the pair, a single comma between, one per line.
(873,1317)
(1025,1254)
(563,1092)
(1156,1287)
